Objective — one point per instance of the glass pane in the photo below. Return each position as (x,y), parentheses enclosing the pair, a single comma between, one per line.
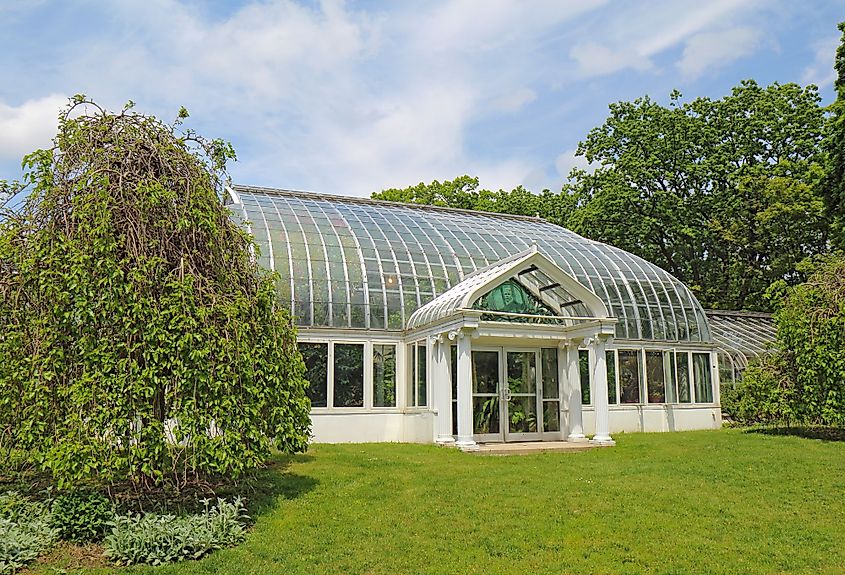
(629,375)
(348,375)
(486,414)
(611,376)
(522,372)
(384,375)
(701,377)
(683,377)
(485,372)
(548,359)
(522,414)
(655,377)
(316,358)
(584,370)
(411,396)
(671,377)
(551,415)
(422,358)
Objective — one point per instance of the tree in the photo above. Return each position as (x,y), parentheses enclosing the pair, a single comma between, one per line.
(464,192)
(834,192)
(139,337)
(724,194)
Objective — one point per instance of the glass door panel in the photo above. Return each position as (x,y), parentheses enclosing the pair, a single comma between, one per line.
(520,396)
(486,408)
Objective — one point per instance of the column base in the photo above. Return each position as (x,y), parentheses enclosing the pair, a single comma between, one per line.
(576,438)
(445,440)
(603,440)
(466,444)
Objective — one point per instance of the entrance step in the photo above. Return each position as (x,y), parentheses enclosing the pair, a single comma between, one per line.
(528,447)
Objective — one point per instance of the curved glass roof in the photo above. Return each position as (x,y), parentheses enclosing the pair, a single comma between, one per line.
(357,263)
(743,335)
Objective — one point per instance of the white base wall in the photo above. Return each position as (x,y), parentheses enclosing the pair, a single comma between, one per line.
(656,418)
(413,427)
(418,426)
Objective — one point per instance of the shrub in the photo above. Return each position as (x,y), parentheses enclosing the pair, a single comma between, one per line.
(140,338)
(803,380)
(82,516)
(155,539)
(25,531)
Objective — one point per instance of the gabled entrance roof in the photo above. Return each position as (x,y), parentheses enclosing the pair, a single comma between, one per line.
(556,289)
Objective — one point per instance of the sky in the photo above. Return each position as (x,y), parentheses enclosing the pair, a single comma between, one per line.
(355,97)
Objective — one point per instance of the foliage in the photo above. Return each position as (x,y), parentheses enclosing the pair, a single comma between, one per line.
(155,539)
(834,190)
(804,380)
(140,338)
(463,192)
(82,516)
(25,531)
(724,194)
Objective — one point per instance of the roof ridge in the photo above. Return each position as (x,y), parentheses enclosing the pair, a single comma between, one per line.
(372,201)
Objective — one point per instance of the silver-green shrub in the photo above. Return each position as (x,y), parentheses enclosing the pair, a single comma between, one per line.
(156,539)
(25,531)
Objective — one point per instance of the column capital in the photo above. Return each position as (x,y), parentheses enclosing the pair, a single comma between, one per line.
(571,342)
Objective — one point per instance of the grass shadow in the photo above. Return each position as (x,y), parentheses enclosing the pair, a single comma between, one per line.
(806,432)
(259,489)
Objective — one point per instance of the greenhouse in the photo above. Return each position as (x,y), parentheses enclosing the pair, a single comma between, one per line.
(429,324)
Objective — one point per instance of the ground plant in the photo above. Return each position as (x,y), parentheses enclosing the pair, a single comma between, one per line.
(81,516)
(26,531)
(140,338)
(155,539)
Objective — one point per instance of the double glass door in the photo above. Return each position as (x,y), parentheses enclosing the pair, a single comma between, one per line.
(506,394)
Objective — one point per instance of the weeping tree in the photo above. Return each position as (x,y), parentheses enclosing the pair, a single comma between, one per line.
(139,339)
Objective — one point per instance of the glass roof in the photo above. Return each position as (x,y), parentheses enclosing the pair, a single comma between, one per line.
(357,263)
(744,335)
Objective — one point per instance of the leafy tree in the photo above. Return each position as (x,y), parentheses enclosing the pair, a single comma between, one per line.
(803,381)
(724,194)
(139,337)
(463,192)
(835,146)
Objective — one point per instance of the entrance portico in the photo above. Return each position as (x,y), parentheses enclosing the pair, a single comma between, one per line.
(518,328)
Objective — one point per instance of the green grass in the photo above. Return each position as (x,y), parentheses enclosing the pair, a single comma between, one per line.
(698,502)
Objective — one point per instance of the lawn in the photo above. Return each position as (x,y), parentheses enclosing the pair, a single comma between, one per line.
(698,502)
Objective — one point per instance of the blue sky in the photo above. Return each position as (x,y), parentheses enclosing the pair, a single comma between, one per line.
(353,97)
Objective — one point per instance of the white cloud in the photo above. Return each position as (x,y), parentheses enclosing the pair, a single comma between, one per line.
(630,39)
(597,60)
(821,71)
(568,160)
(514,101)
(710,50)
(29,126)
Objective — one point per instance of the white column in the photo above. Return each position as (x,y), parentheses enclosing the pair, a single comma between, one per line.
(573,381)
(464,439)
(563,388)
(598,345)
(442,388)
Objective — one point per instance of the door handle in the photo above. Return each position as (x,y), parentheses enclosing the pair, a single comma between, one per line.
(506,394)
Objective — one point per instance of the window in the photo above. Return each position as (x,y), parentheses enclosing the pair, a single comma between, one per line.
(610,356)
(384,375)
(655,376)
(629,375)
(702,378)
(417,355)
(683,377)
(551,389)
(348,375)
(316,358)
(584,370)
(671,377)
